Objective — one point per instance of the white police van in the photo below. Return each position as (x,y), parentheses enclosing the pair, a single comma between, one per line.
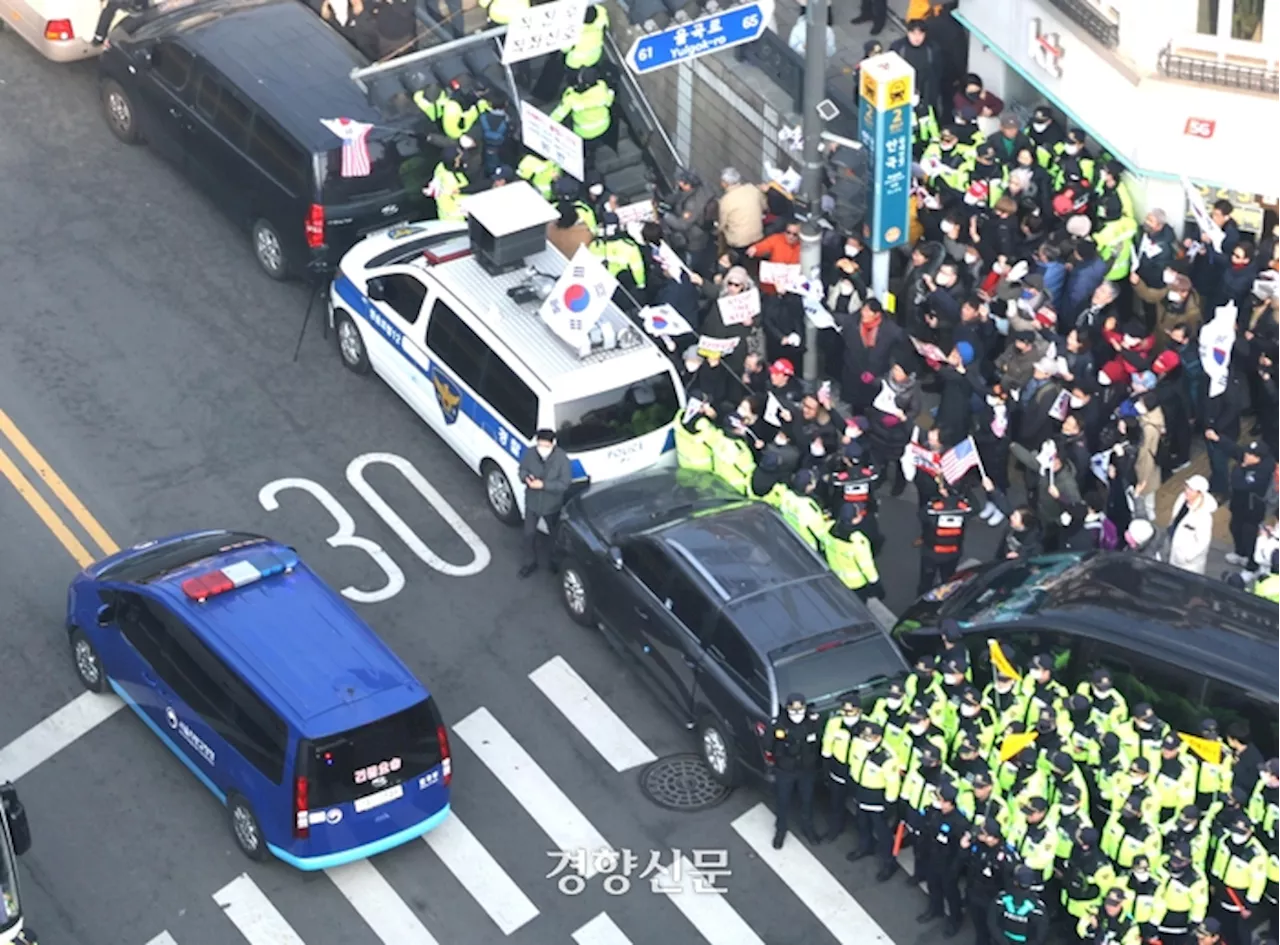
(448,315)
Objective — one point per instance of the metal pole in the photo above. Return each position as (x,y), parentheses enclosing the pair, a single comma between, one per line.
(880,273)
(462,42)
(815,90)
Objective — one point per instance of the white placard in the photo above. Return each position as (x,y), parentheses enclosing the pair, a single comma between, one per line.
(739,309)
(552,140)
(1208,229)
(579,298)
(543,29)
(721,346)
(887,401)
(772,407)
(782,276)
(639,212)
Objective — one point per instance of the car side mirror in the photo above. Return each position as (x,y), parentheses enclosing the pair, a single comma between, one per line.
(376,290)
(615,556)
(106,615)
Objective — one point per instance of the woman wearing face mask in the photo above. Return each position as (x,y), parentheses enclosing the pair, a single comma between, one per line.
(1179,304)
(750,334)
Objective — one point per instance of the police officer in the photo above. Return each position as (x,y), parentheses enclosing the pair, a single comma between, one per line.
(981,804)
(1128,834)
(449,184)
(801,511)
(796,749)
(619,253)
(541,172)
(1111,924)
(892,711)
(919,789)
(924,684)
(1041,690)
(1005,698)
(944,829)
(1182,898)
(589,104)
(732,457)
(1144,733)
(988,866)
(1264,803)
(1034,837)
(942,537)
(922,734)
(873,769)
(502,12)
(1085,875)
(1108,705)
(1017,916)
(589,48)
(1213,776)
(693,435)
(1084,743)
(1142,888)
(838,735)
(1174,779)
(952,638)
(848,553)
(1238,877)
(1189,829)
(1209,932)
(973,722)
(1248,484)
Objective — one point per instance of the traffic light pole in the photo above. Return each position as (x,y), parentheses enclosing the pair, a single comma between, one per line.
(815,90)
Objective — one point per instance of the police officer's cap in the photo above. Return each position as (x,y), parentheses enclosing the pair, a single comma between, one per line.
(895,689)
(1209,728)
(917,715)
(951,666)
(949,131)
(1023,877)
(1115,896)
(1210,926)
(948,792)
(981,779)
(1042,113)
(1077,703)
(986,151)
(1070,793)
(1239,795)
(1141,860)
(503,172)
(588,76)
(1180,852)
(929,661)
(1042,661)
(1272,767)
(1144,711)
(1101,678)
(929,756)
(1190,812)
(1027,757)
(794,699)
(872,730)
(1047,719)
(1089,836)
(1035,805)
(1171,742)
(1141,764)
(1076,135)
(950,628)
(850,700)
(970,696)
(565,186)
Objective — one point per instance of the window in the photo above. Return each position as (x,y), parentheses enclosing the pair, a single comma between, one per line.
(279,156)
(647,563)
(689,604)
(405,294)
(223,108)
(615,416)
(1226,703)
(1235,19)
(511,397)
(207,97)
(172,64)
(460,348)
(141,629)
(731,651)
(1176,695)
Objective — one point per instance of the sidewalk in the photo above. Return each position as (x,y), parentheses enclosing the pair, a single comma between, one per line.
(849,38)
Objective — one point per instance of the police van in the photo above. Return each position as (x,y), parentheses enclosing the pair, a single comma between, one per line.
(447,313)
(321,744)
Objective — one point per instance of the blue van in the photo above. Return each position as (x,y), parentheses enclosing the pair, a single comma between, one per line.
(320,742)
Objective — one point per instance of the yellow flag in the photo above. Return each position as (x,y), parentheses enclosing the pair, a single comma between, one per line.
(1209,749)
(1014,744)
(890,302)
(1001,661)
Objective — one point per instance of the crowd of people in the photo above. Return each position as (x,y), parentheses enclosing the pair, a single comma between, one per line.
(1032,807)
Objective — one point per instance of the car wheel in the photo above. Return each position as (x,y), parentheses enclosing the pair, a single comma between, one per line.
(499,494)
(245,829)
(269,251)
(575,594)
(717,751)
(88,666)
(119,111)
(351,345)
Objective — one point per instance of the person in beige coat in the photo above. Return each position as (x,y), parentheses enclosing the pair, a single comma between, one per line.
(741,213)
(1191,526)
(1146,466)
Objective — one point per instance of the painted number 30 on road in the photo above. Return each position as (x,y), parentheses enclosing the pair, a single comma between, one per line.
(346,537)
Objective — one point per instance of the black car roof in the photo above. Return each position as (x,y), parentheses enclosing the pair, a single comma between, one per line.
(280,55)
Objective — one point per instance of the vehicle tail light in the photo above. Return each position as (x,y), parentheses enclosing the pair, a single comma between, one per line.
(301,803)
(315,226)
(59,29)
(446,760)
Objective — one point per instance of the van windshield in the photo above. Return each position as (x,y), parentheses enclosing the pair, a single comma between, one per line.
(615,416)
(365,760)
(393,167)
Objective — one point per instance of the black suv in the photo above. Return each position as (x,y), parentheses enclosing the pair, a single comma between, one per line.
(233,92)
(723,606)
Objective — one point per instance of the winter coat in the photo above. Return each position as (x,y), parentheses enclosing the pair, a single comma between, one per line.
(1154,252)
(1190,539)
(741,215)
(556,478)
(686,223)
(1081,282)
(861,362)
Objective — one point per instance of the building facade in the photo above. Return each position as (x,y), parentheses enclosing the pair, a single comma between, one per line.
(1171,88)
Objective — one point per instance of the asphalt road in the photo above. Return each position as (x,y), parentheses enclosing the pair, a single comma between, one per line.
(149,361)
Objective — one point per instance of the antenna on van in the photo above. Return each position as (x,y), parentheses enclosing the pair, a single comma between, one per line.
(319,272)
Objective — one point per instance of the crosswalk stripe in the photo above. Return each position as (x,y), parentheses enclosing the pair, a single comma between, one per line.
(379,905)
(708,912)
(600,931)
(557,816)
(164,938)
(252,913)
(812,883)
(590,715)
(480,874)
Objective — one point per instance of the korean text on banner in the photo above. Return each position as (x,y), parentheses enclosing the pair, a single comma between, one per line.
(543,29)
(579,298)
(739,309)
(552,140)
(639,212)
(782,276)
(708,346)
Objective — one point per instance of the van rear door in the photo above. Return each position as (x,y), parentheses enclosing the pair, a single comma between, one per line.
(356,203)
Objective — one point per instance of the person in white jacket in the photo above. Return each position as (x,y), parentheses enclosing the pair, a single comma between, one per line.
(1191,527)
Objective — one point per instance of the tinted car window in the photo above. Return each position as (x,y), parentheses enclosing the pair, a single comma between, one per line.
(172,64)
(733,652)
(279,156)
(405,294)
(647,564)
(510,396)
(141,629)
(226,111)
(689,603)
(394,165)
(460,348)
(1176,694)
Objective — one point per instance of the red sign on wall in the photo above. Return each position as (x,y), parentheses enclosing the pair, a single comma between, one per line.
(1199,127)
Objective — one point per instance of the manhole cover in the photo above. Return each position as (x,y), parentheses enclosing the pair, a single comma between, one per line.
(682,782)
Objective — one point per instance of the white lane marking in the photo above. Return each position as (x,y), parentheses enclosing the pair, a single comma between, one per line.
(812,883)
(164,938)
(46,738)
(590,715)
(600,931)
(557,816)
(252,913)
(708,912)
(379,905)
(480,874)
(479,550)
(344,537)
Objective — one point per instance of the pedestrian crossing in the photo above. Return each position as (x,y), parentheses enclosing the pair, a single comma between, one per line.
(713,919)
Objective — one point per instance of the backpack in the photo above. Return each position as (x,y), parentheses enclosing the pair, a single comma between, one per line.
(492,138)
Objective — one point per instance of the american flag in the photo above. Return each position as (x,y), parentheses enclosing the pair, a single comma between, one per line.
(355,145)
(923,459)
(959,460)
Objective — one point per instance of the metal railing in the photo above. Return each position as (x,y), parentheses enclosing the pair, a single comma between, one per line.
(1215,68)
(1098,20)
(651,136)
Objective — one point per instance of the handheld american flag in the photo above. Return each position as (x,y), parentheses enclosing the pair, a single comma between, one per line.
(355,145)
(959,460)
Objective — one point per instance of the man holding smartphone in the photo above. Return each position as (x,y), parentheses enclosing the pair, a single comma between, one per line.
(544,470)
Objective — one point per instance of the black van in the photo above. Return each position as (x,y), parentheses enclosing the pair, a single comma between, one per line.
(234,92)
(1192,647)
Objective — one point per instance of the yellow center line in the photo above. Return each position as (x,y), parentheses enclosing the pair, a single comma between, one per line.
(59,488)
(47,515)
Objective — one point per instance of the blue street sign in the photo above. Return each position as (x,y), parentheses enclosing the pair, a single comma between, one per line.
(708,34)
(887,137)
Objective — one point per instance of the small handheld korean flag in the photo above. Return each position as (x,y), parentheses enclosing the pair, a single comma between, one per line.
(665,321)
(692,407)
